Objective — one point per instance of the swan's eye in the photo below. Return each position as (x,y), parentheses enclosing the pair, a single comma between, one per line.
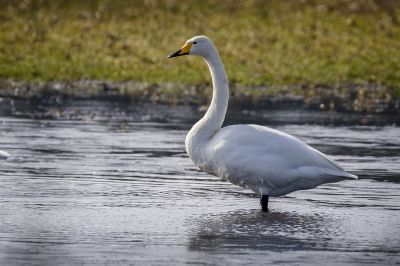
(194,42)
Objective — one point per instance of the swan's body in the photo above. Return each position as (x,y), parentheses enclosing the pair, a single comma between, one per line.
(268,161)
(4,155)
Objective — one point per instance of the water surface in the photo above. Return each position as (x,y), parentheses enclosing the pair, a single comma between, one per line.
(93,182)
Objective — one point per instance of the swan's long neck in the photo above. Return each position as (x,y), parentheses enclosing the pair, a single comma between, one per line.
(212,121)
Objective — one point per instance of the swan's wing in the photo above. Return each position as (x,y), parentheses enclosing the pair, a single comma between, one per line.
(251,154)
(253,142)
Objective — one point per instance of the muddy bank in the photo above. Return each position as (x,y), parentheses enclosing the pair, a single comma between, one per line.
(350,98)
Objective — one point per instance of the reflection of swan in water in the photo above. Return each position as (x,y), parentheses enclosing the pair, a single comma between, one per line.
(269,162)
(4,154)
(250,230)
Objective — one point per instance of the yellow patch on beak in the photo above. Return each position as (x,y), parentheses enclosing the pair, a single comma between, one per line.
(185,49)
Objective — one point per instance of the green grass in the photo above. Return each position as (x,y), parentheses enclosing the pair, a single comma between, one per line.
(329,42)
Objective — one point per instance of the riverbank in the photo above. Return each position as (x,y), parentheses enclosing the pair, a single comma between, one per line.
(350,98)
(272,43)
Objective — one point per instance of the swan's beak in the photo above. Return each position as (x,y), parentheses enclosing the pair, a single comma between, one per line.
(183,51)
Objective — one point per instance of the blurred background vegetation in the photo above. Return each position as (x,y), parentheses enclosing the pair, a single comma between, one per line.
(275,42)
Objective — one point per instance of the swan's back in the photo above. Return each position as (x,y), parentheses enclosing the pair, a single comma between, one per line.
(268,161)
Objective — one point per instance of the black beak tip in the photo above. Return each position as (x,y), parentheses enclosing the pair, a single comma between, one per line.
(177,53)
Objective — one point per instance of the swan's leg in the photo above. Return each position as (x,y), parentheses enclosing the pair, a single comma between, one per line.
(264,203)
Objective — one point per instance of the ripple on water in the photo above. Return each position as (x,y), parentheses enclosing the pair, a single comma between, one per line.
(104,183)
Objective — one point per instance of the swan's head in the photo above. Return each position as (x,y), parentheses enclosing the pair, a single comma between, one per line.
(199,45)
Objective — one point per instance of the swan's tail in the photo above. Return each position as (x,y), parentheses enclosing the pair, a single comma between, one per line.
(351,176)
(341,176)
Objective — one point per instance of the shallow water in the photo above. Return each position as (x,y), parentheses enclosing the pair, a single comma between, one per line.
(106,183)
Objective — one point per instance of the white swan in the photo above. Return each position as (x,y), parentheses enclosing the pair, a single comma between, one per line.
(4,155)
(268,161)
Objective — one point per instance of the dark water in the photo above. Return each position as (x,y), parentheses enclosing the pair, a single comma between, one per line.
(109,183)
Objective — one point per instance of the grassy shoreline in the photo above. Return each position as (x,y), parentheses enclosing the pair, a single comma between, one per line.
(274,43)
(351,98)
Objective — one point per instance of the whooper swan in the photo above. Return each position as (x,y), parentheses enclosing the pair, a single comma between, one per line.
(268,161)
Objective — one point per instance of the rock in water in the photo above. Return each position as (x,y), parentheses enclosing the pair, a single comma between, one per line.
(4,155)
